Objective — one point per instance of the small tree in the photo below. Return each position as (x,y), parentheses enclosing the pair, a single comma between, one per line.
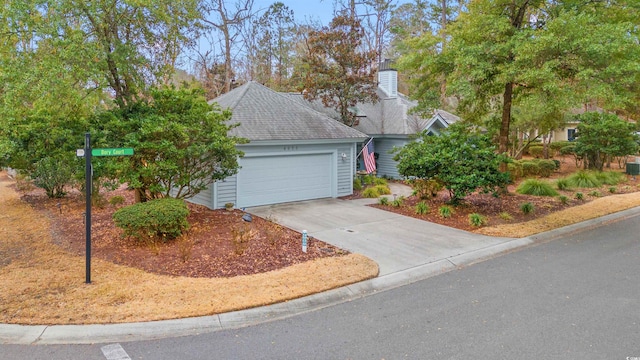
(462,161)
(181,144)
(338,71)
(601,136)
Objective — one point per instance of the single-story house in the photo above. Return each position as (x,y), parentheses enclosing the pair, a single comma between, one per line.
(294,152)
(389,121)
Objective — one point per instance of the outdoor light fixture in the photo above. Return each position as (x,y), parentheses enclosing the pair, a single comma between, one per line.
(344,156)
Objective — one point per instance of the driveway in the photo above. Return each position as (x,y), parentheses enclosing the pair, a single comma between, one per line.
(395,242)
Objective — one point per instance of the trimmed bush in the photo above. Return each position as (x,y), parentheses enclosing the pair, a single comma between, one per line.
(530,168)
(584,179)
(160,219)
(476,219)
(546,167)
(515,169)
(536,187)
(116,200)
(527,208)
(536,151)
(422,208)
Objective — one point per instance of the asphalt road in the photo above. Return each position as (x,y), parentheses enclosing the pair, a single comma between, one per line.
(572,298)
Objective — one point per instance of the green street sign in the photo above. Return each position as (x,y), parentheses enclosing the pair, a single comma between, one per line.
(112,152)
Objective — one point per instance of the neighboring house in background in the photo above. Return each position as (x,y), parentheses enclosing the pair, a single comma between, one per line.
(295,153)
(388,121)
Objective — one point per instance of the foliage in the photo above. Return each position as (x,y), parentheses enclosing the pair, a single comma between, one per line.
(515,170)
(610,177)
(357,184)
(613,189)
(159,219)
(379,181)
(477,220)
(383,201)
(425,188)
(383,189)
(422,208)
(527,208)
(601,136)
(445,211)
(116,200)
(371,192)
(563,199)
(52,175)
(397,202)
(536,151)
(510,62)
(181,143)
(505,216)
(595,193)
(240,237)
(337,72)
(460,160)
(536,187)
(584,179)
(563,184)
(579,196)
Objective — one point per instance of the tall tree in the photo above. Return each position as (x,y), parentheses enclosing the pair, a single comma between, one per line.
(338,73)
(229,23)
(510,52)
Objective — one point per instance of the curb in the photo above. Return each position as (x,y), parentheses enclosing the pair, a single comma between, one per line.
(108,333)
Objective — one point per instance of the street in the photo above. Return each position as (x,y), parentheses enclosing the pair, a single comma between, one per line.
(572,298)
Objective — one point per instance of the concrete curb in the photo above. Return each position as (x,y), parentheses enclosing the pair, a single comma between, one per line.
(89,334)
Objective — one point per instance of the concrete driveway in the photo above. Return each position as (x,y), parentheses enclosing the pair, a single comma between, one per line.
(395,242)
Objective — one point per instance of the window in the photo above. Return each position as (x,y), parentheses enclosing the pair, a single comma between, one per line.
(571,134)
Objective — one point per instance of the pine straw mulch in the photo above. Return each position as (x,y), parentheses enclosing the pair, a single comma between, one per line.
(42,273)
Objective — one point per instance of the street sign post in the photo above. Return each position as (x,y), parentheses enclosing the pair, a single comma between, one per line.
(87,152)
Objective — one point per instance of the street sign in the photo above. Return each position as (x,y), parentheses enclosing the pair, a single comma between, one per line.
(112,152)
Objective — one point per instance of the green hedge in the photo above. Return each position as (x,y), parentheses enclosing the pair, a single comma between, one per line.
(160,219)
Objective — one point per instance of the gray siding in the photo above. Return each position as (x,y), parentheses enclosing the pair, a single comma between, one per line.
(226,191)
(385,163)
(203,197)
(346,170)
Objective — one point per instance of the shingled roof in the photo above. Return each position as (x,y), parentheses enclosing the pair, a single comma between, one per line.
(264,114)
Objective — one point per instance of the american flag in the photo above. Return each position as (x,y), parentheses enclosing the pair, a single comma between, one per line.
(369,157)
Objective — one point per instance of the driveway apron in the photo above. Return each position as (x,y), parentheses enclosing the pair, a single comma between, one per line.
(395,242)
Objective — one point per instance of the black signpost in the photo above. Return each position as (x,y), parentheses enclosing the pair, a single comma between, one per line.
(87,152)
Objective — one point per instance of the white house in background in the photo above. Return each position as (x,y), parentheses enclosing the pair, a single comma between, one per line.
(389,121)
(295,153)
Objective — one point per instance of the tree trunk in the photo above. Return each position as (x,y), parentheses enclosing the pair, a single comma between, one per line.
(503,139)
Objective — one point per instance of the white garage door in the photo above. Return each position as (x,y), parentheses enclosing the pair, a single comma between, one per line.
(276,179)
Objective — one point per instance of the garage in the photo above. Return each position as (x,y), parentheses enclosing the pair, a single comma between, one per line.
(275,179)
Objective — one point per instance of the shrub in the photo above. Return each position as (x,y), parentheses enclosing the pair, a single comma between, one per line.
(557,145)
(530,168)
(445,211)
(476,219)
(613,189)
(595,193)
(527,208)
(371,192)
(515,169)
(536,187)
(505,216)
(422,208)
(160,219)
(536,151)
(367,180)
(426,188)
(379,181)
(583,179)
(357,184)
(398,201)
(546,167)
(563,199)
(240,236)
(610,177)
(556,163)
(383,201)
(116,200)
(52,175)
(579,196)
(563,184)
(383,189)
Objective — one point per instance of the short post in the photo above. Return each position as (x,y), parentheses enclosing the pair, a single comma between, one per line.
(304,241)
